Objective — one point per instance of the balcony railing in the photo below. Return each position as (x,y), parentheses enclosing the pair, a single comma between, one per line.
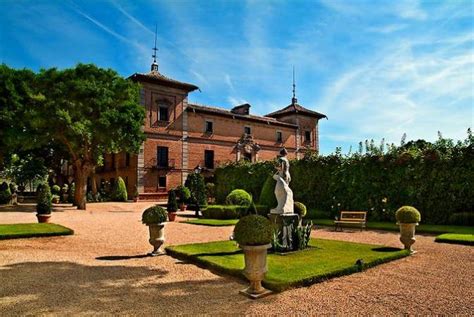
(160,165)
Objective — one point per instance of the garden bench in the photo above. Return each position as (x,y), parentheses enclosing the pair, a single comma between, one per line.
(351,218)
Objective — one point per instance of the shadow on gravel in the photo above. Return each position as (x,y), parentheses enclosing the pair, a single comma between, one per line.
(35,288)
(121,257)
(386,249)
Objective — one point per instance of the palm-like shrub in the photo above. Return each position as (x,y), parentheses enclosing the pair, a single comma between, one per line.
(154,215)
(408,214)
(238,197)
(5,193)
(172,202)
(253,230)
(183,194)
(43,199)
(120,190)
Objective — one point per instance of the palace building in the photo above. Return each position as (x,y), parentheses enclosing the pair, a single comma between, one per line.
(182,136)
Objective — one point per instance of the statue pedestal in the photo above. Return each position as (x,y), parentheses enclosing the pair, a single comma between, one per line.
(284,225)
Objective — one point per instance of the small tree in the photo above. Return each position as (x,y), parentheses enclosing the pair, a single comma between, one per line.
(43,199)
(120,190)
(183,194)
(197,187)
(172,203)
(5,193)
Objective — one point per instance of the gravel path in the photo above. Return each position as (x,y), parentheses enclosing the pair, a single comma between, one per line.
(102,270)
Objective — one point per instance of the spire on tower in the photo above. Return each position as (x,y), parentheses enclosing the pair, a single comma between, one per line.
(154,65)
(294,101)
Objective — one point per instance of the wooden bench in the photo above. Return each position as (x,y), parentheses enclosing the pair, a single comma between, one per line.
(351,218)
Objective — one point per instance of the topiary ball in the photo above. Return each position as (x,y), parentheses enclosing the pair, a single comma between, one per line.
(154,215)
(253,230)
(55,189)
(238,197)
(299,208)
(407,214)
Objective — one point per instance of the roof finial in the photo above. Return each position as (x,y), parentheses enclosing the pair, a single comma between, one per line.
(154,65)
(294,101)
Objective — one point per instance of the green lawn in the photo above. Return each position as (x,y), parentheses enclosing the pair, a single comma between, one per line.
(212,222)
(467,239)
(325,259)
(422,228)
(30,230)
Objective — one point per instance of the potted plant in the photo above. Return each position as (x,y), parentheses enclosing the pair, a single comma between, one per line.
(407,218)
(254,234)
(172,206)
(43,206)
(155,218)
(183,196)
(55,199)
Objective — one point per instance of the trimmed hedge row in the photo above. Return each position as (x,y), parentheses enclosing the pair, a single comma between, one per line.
(230,211)
(435,178)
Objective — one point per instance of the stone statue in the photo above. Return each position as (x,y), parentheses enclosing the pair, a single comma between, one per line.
(283,192)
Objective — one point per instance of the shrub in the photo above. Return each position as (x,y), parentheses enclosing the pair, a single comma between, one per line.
(462,219)
(267,195)
(5,193)
(238,197)
(253,230)
(70,193)
(299,208)
(183,194)
(43,199)
(408,214)
(223,211)
(55,190)
(154,215)
(197,188)
(120,190)
(211,190)
(172,203)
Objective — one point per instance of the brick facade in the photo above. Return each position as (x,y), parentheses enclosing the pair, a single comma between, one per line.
(179,135)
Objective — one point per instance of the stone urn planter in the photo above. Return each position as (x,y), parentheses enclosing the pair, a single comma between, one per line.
(407,218)
(255,268)
(407,235)
(155,218)
(254,233)
(157,238)
(43,218)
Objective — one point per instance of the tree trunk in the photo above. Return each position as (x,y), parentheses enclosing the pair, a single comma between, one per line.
(80,190)
(94,183)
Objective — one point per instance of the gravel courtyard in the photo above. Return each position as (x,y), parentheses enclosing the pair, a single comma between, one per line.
(102,269)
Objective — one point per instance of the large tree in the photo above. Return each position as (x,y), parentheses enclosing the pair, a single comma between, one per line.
(91,111)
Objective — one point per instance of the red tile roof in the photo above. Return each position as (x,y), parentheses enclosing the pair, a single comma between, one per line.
(296,108)
(158,78)
(228,113)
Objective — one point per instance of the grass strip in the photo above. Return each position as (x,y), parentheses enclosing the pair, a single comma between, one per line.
(31,230)
(324,260)
(466,239)
(212,222)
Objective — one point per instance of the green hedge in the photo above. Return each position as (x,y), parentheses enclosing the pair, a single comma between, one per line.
(223,211)
(435,178)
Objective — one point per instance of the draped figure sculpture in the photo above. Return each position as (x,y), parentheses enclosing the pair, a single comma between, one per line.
(283,192)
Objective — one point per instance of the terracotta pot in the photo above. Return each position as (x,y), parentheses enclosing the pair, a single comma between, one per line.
(171,216)
(182,207)
(255,269)
(157,238)
(135,199)
(407,235)
(43,218)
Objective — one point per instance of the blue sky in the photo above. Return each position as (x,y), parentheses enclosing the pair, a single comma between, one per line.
(377,69)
